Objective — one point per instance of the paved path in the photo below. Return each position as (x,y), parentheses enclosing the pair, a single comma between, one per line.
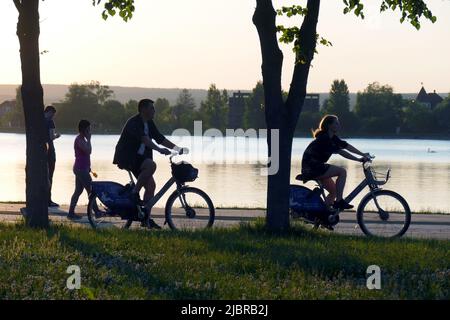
(431,226)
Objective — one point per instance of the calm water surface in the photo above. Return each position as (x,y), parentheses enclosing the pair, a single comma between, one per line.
(230,168)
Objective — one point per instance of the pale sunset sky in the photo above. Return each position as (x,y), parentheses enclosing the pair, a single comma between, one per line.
(193,43)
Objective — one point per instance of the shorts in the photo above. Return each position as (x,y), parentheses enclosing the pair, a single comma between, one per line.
(315,170)
(136,167)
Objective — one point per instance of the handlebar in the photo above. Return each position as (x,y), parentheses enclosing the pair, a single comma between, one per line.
(181,152)
(369,158)
(367,167)
(366,162)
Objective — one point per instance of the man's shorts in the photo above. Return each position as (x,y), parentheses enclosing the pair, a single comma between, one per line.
(136,167)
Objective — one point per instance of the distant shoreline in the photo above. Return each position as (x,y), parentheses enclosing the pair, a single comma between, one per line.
(401,136)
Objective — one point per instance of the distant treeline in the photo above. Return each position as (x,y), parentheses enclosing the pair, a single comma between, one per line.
(378,112)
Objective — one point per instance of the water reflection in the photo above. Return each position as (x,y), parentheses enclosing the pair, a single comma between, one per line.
(422,178)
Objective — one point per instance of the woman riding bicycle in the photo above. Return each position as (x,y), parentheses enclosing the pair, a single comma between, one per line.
(319,151)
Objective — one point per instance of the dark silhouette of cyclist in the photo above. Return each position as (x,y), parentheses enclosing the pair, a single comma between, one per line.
(319,151)
(134,151)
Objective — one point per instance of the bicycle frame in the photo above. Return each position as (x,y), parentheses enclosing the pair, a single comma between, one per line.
(368,181)
(150,203)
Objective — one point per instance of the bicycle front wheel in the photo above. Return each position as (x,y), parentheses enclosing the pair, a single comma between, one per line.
(189,209)
(384,213)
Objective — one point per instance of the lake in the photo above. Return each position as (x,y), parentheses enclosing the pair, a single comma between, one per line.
(230,168)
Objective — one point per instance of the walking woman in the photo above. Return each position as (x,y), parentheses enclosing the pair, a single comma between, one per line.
(319,151)
(82,165)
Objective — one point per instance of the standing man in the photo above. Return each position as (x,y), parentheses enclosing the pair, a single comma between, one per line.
(134,152)
(49,113)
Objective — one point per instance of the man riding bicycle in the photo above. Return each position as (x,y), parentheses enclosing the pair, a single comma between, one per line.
(134,152)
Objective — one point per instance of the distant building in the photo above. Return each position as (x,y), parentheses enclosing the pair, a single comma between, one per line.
(236,109)
(312,103)
(431,100)
(7,106)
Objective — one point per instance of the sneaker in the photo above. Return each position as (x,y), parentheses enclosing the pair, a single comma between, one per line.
(342,204)
(152,225)
(73,216)
(52,204)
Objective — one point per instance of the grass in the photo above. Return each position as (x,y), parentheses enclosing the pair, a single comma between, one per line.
(431,211)
(244,262)
(13,202)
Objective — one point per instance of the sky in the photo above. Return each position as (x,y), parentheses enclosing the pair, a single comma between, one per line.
(193,43)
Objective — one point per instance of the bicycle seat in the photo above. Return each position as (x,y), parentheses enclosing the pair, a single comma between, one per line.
(304,179)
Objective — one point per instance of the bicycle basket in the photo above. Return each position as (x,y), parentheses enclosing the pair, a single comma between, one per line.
(184,172)
(379,177)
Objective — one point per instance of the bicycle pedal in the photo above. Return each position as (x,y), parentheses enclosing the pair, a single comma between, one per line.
(141,213)
(332,218)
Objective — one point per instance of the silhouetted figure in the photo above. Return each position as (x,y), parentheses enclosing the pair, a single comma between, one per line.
(82,166)
(319,151)
(49,114)
(134,151)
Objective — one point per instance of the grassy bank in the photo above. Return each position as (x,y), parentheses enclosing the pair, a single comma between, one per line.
(235,263)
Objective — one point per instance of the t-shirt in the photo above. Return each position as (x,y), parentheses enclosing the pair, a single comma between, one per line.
(141,150)
(321,149)
(82,159)
(129,146)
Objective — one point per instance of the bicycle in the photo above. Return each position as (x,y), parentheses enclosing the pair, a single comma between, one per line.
(382,213)
(186,208)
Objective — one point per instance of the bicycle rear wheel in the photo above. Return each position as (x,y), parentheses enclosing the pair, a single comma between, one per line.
(102,217)
(384,213)
(189,209)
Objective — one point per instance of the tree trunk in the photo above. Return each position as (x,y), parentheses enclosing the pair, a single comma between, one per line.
(37,184)
(280,115)
(278,183)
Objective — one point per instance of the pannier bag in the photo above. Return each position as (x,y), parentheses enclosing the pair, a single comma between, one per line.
(303,199)
(116,197)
